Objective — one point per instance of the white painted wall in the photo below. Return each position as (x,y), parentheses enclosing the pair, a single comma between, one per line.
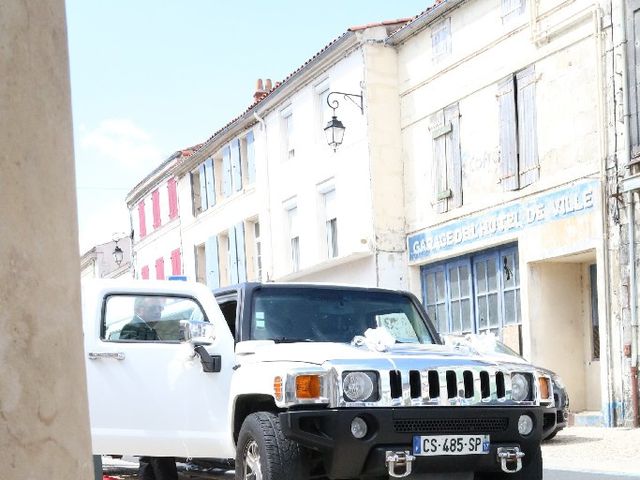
(483,52)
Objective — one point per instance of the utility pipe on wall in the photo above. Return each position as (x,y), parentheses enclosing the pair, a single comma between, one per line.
(629,200)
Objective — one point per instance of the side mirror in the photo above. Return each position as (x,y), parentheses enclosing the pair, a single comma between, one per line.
(197,333)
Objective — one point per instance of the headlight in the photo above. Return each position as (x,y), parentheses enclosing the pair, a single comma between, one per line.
(519,387)
(360,386)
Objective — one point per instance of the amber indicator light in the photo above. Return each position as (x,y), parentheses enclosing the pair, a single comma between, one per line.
(543,384)
(308,386)
(277,388)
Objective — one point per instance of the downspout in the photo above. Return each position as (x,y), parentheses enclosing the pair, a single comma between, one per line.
(263,125)
(630,206)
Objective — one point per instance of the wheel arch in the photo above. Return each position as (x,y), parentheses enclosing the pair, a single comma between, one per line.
(247,404)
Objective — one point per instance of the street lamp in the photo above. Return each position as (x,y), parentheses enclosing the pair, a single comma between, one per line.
(118,254)
(335,128)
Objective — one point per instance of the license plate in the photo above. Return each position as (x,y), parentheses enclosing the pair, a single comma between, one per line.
(450,445)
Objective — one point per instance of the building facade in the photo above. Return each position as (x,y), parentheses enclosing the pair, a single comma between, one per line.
(489,165)
(100,261)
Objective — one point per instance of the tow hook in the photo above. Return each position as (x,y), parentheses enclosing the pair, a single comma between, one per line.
(399,463)
(510,459)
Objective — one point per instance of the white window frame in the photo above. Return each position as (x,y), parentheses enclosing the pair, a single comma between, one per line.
(288,151)
(441,40)
(293,234)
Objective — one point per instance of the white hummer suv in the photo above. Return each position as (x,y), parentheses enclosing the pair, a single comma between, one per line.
(301,381)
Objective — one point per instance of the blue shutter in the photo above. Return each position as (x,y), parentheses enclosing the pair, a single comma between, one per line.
(226,171)
(508,135)
(211,186)
(241,255)
(527,131)
(233,257)
(211,259)
(236,168)
(454,161)
(203,188)
(251,158)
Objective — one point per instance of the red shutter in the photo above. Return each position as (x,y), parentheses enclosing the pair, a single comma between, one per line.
(144,272)
(155,197)
(176,265)
(173,198)
(143,223)
(160,269)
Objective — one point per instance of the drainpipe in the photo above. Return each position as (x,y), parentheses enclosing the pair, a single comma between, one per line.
(629,200)
(263,125)
(633,304)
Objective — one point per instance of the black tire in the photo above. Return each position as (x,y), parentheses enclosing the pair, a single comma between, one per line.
(550,436)
(531,471)
(264,453)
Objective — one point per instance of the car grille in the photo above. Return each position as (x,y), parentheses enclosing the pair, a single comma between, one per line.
(449,386)
(458,425)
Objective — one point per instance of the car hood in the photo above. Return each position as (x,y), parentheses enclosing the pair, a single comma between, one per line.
(395,356)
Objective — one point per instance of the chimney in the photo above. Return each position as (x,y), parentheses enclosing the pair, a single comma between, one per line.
(268,86)
(259,93)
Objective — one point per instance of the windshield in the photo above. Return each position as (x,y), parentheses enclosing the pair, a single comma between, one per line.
(333,315)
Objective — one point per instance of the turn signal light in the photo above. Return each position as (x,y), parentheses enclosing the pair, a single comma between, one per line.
(545,391)
(277,388)
(308,386)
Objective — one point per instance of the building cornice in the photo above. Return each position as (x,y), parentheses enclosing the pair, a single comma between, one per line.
(422,21)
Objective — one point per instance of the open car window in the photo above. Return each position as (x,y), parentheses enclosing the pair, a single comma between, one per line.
(148,318)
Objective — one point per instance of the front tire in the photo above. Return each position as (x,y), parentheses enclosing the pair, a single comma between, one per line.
(264,453)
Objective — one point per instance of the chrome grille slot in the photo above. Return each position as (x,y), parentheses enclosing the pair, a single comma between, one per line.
(434,384)
(500,387)
(452,384)
(415,385)
(395,383)
(485,391)
(467,376)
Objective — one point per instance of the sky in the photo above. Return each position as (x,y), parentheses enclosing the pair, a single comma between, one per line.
(150,77)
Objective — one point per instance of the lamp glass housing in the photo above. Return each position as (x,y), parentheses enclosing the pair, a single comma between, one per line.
(118,255)
(334,132)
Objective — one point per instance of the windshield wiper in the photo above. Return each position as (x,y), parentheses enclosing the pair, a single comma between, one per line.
(291,340)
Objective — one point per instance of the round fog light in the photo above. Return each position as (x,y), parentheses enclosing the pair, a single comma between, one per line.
(525,425)
(358,427)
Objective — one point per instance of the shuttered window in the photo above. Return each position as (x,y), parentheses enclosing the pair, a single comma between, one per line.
(144,272)
(155,200)
(226,171)
(210,179)
(202,184)
(143,222)
(447,166)
(236,166)
(160,269)
(211,262)
(331,223)
(519,164)
(173,198)
(176,264)
(251,158)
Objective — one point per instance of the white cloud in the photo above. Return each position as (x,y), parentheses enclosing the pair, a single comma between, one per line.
(123,141)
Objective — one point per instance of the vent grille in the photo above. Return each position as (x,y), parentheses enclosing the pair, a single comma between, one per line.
(460,425)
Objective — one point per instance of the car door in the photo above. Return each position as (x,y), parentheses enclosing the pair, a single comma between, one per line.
(148,393)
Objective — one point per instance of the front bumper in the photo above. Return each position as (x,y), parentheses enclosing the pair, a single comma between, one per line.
(328,431)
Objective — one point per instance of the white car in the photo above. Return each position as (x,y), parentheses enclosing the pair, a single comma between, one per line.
(302,381)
